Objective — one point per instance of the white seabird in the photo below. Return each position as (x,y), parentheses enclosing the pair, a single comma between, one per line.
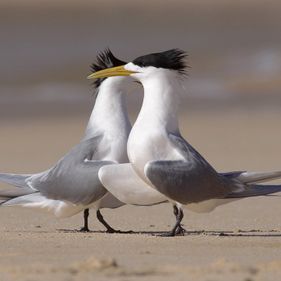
(158,153)
(72,184)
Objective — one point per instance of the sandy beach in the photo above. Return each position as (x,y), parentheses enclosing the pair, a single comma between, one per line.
(231,114)
(239,241)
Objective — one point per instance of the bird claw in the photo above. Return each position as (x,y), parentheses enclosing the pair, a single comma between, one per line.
(180,231)
(167,234)
(112,230)
(84,229)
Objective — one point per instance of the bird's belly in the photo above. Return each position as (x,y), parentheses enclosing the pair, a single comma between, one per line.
(208,205)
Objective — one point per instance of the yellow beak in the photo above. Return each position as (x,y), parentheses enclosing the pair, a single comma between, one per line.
(109,72)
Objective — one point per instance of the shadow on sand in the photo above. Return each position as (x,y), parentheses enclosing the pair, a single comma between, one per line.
(218,233)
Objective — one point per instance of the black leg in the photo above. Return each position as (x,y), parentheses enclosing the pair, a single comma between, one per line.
(177,229)
(180,230)
(85,228)
(109,229)
(176,210)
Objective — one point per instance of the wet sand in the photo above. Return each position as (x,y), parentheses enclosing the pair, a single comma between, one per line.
(239,241)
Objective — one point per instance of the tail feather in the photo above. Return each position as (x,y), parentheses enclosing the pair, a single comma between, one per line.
(14,179)
(6,194)
(36,200)
(255,190)
(253,177)
(22,200)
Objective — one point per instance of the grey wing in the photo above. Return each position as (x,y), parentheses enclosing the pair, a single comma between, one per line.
(78,186)
(74,178)
(187,181)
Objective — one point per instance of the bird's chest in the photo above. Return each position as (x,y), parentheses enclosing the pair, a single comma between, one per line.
(118,149)
(112,148)
(148,145)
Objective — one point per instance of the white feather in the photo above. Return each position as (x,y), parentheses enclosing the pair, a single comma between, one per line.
(122,181)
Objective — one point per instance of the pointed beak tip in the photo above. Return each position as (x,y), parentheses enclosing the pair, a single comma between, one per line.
(91,76)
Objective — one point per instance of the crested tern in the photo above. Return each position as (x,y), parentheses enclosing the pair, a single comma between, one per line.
(159,154)
(72,184)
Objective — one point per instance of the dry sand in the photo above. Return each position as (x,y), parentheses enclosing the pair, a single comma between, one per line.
(235,54)
(240,241)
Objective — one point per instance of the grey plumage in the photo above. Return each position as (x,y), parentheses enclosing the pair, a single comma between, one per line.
(194,180)
(252,177)
(7,194)
(72,185)
(14,179)
(24,199)
(255,190)
(74,178)
(76,173)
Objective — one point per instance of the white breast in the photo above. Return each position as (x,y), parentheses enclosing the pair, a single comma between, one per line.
(149,145)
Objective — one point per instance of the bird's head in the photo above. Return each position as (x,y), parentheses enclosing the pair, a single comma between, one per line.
(105,60)
(147,66)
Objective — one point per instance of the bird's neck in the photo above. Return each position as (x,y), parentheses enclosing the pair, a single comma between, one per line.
(109,115)
(158,117)
(161,103)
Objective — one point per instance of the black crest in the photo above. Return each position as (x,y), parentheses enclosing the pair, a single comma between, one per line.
(104,60)
(172,59)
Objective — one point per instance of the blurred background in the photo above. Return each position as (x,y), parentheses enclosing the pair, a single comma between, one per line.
(231,113)
(232,103)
